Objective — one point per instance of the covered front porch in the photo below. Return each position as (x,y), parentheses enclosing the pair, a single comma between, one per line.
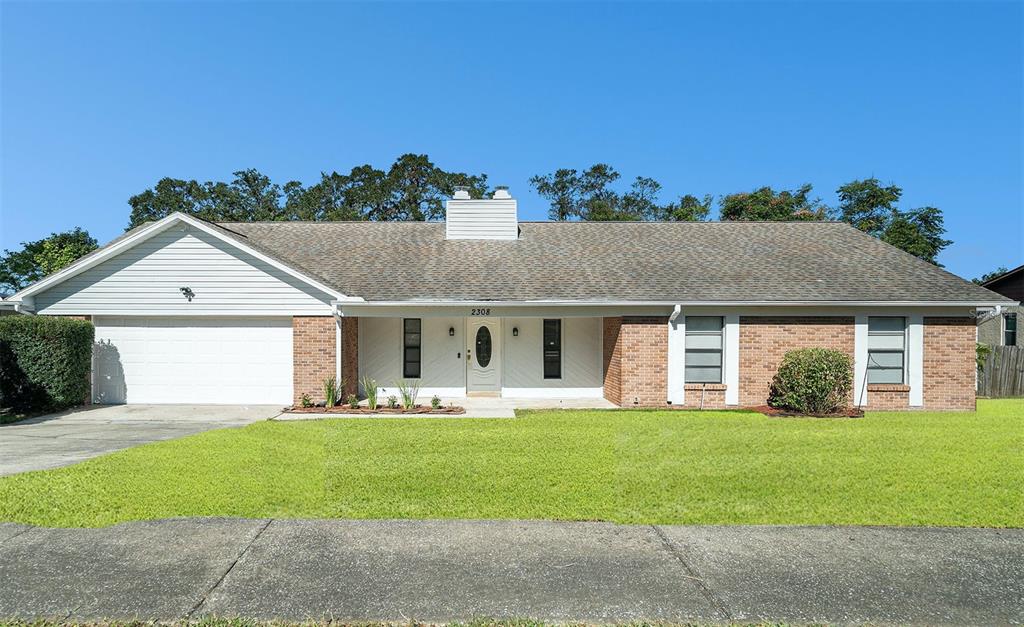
(539,355)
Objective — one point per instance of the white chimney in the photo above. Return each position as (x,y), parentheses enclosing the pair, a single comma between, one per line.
(481,218)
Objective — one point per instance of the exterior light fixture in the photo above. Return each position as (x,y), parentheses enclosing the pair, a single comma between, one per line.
(515,331)
(451,331)
(187,293)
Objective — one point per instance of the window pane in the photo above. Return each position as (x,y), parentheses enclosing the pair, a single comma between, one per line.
(412,339)
(703,375)
(885,360)
(701,358)
(1011,322)
(886,325)
(699,324)
(703,341)
(893,342)
(412,370)
(552,349)
(877,375)
(412,354)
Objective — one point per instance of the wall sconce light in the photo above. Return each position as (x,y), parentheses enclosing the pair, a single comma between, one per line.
(187,293)
(515,331)
(451,331)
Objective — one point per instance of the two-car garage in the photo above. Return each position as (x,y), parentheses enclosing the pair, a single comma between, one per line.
(192,360)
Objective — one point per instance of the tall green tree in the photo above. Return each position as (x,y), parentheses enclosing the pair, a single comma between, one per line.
(35,260)
(413,188)
(589,195)
(872,208)
(988,276)
(767,205)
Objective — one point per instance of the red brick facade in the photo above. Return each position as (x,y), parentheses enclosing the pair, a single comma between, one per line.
(949,364)
(888,396)
(350,354)
(765,340)
(636,357)
(612,355)
(704,395)
(313,355)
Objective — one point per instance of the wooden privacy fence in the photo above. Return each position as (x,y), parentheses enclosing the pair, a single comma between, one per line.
(1003,374)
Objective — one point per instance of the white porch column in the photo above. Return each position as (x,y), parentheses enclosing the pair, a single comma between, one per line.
(860,360)
(731,357)
(676,357)
(915,364)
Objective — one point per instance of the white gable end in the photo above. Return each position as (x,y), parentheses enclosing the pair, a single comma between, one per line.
(147,279)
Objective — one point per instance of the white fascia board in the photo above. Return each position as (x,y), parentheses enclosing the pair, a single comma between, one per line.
(660,303)
(158,227)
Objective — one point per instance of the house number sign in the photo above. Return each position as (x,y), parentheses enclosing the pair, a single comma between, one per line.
(484,311)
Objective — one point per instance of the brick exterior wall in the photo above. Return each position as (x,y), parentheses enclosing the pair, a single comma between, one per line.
(765,340)
(713,396)
(636,357)
(949,364)
(612,356)
(312,355)
(350,355)
(888,397)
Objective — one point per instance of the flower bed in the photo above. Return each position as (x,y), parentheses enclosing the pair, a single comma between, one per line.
(347,409)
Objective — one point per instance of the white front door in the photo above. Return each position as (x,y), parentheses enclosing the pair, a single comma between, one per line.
(483,370)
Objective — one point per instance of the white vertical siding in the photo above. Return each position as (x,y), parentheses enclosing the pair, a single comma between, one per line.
(581,359)
(146,280)
(443,357)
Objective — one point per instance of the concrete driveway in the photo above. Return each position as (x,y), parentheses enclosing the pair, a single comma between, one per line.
(76,435)
(406,571)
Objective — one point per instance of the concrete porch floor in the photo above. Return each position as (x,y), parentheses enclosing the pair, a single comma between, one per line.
(477,407)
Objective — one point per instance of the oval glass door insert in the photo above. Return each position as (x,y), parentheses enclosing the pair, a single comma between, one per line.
(483,346)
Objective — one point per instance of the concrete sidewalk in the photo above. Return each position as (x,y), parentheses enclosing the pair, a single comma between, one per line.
(445,570)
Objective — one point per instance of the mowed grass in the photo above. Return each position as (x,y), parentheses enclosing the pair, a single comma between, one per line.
(670,467)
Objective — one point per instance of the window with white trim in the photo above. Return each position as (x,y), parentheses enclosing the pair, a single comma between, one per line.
(703,349)
(1010,329)
(887,342)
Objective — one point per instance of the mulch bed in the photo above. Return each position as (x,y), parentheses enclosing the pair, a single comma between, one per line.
(775,412)
(345,409)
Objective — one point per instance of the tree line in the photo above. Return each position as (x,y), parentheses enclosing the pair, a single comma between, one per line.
(414,188)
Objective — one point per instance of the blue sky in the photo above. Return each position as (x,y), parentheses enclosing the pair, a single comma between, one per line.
(99,101)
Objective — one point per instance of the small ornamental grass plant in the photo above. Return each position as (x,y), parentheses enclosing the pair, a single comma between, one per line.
(370,389)
(408,390)
(814,381)
(331,387)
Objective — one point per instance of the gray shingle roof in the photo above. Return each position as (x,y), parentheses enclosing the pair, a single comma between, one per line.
(646,261)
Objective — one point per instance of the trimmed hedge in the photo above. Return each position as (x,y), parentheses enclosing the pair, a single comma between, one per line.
(44,362)
(813,381)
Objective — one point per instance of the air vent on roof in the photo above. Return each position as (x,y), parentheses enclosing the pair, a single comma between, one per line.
(481,218)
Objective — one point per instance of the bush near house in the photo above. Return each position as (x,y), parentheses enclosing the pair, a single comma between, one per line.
(44,362)
(812,381)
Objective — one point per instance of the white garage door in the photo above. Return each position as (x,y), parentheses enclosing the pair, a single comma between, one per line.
(193,360)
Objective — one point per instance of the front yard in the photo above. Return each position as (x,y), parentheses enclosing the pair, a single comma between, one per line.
(623,466)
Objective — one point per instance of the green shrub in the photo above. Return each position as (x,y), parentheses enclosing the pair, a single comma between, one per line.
(45,362)
(370,389)
(813,381)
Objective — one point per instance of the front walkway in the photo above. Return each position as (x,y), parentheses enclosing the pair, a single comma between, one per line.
(476,407)
(79,434)
(457,570)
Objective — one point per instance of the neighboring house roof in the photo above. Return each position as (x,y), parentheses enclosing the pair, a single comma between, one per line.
(685,262)
(1009,283)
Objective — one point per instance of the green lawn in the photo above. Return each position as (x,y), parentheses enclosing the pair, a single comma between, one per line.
(622,466)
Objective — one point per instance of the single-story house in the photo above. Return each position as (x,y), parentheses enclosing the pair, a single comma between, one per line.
(640,313)
(999,328)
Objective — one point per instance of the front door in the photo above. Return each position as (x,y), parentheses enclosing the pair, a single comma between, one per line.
(483,355)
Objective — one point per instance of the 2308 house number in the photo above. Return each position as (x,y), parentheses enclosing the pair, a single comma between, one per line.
(486,311)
